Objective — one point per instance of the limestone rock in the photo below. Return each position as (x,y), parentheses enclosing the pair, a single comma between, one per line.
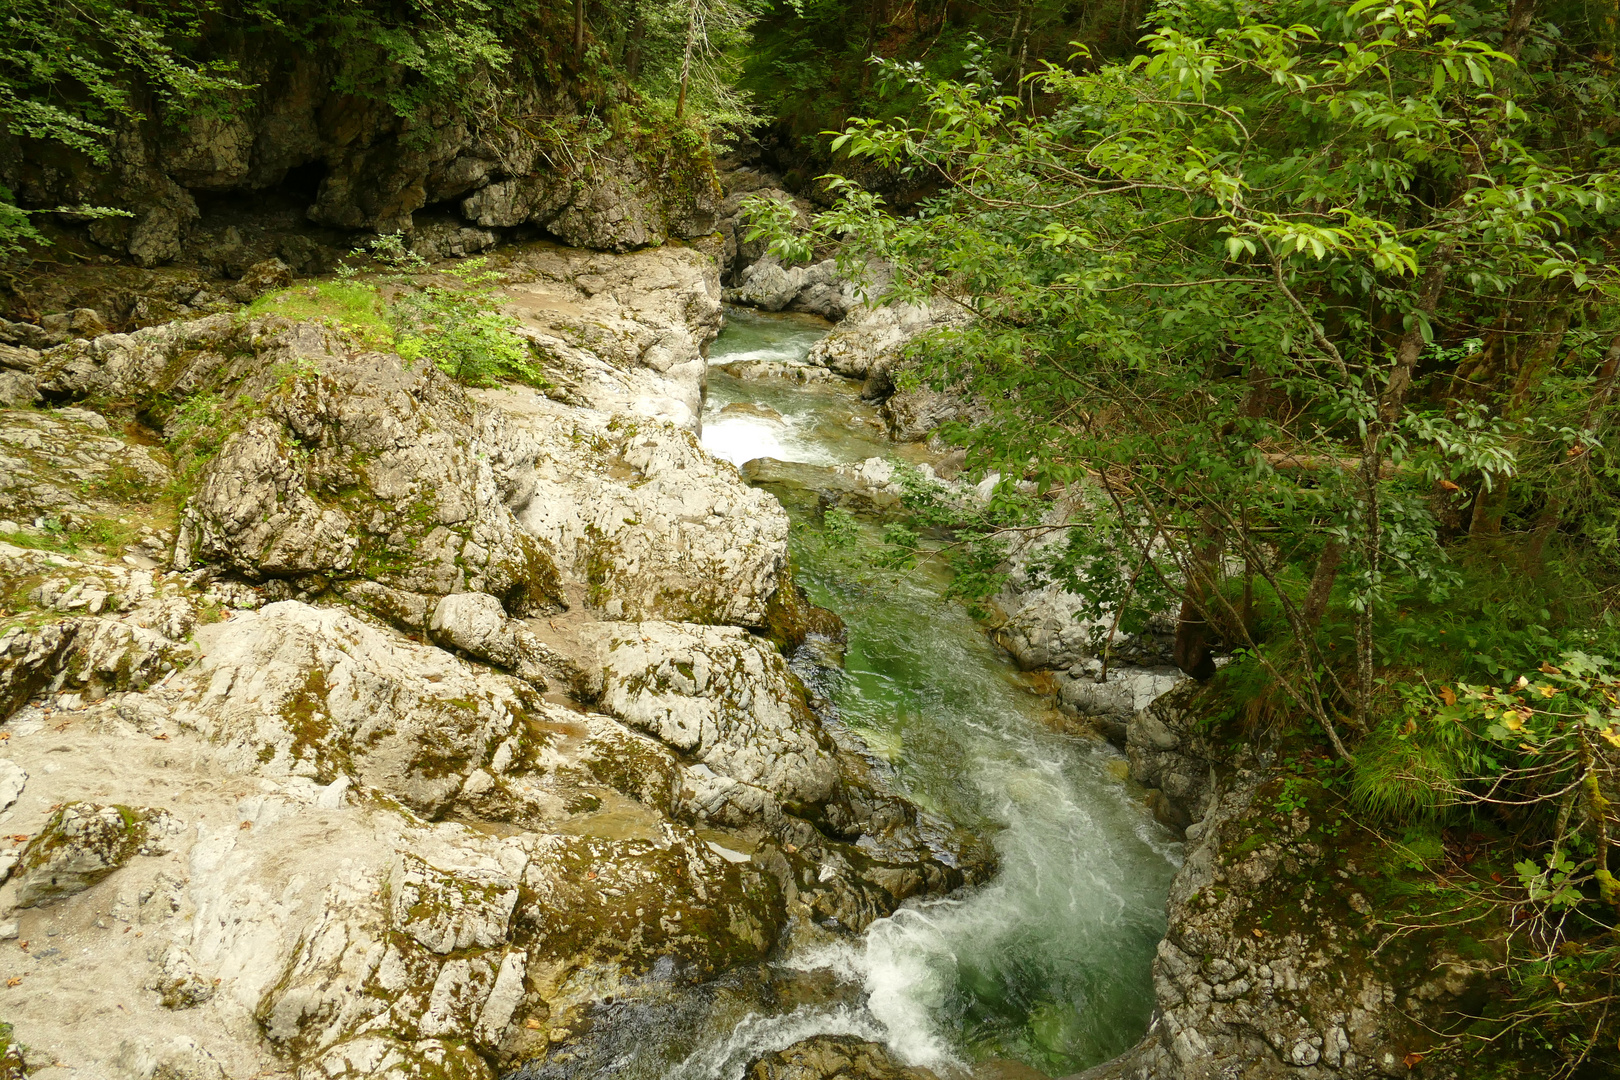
(476,624)
(179,1058)
(1049,627)
(620,334)
(1126,691)
(1267,969)
(83,843)
(260,278)
(834,1057)
(817,289)
(1169,752)
(95,655)
(68,465)
(911,415)
(358,467)
(12,780)
(178,985)
(726,701)
(294,690)
(871,338)
(448,913)
(653,526)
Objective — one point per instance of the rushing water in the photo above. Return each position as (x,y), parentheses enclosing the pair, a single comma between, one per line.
(1044,968)
(1048,964)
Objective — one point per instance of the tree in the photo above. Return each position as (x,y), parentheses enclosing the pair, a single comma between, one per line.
(1227,267)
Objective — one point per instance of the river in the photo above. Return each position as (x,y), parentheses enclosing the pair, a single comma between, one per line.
(1041,972)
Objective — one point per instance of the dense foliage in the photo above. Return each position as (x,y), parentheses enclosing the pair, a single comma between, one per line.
(74,74)
(1307,313)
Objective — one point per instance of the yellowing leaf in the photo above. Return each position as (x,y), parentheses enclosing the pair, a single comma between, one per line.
(1448,695)
(1512,722)
(1548,691)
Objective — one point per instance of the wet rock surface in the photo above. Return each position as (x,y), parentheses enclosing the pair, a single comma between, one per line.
(828,1057)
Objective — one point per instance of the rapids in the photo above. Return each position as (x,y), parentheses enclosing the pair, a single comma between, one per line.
(1048,964)
(1043,971)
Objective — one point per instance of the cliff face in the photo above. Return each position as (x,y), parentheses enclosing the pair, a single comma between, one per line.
(361,166)
(1288,951)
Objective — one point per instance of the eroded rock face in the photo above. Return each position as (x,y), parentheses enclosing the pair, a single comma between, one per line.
(379,169)
(1271,966)
(817,289)
(63,464)
(620,334)
(1124,693)
(90,655)
(397,860)
(345,466)
(871,338)
(295,690)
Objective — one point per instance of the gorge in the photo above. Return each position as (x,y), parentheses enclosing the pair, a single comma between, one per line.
(525,556)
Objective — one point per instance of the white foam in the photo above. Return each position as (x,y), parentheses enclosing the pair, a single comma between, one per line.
(757,1035)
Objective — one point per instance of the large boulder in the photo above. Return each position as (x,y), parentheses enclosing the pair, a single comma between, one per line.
(816,289)
(871,339)
(335,466)
(636,511)
(727,703)
(619,333)
(294,690)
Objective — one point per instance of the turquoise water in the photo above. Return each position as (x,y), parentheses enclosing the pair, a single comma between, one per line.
(1048,964)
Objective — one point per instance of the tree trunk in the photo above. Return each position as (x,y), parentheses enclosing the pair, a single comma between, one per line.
(633,41)
(686,56)
(579,27)
(1192,652)
(1491,505)
(1327,571)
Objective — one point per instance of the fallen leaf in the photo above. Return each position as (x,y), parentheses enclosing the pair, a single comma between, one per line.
(1449,486)
(245,825)
(1411,1059)
(1548,669)
(161,738)
(1257,932)
(532,1024)
(21,838)
(1448,695)
(14,982)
